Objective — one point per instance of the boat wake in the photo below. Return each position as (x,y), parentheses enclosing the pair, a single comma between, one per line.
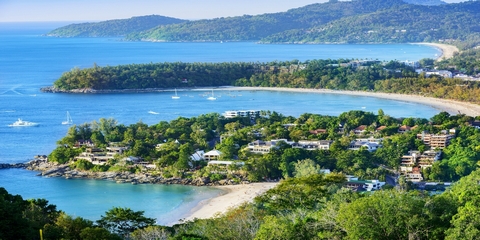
(152,112)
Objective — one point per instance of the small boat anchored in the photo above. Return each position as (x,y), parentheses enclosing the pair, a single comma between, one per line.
(21,123)
(212,98)
(69,120)
(175,96)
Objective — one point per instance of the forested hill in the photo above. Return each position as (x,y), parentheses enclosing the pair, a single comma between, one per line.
(113,28)
(392,77)
(357,21)
(257,27)
(407,23)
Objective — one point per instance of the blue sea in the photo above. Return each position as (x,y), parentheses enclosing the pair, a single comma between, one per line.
(29,61)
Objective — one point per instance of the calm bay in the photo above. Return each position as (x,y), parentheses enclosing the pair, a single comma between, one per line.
(29,61)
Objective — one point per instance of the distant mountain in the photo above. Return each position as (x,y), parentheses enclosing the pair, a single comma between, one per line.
(256,27)
(407,23)
(113,28)
(425,2)
(355,21)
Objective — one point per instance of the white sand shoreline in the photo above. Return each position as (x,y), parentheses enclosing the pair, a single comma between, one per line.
(450,106)
(234,196)
(447,50)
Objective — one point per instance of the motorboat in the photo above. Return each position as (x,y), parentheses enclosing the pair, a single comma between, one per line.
(21,123)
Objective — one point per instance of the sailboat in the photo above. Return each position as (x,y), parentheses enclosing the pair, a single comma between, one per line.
(176,96)
(69,120)
(212,97)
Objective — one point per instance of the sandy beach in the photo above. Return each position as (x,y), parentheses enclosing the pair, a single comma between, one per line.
(235,195)
(447,50)
(450,106)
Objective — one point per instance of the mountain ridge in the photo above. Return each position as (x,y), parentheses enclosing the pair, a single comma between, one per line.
(356,21)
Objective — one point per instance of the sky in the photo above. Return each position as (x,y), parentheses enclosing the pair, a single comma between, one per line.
(98,10)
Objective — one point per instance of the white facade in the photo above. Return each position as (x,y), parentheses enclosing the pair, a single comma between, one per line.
(241,113)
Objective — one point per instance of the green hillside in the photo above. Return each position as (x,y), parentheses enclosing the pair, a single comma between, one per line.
(248,28)
(408,23)
(113,28)
(358,21)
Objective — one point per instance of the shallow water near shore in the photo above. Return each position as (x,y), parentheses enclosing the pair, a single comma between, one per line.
(30,61)
(91,198)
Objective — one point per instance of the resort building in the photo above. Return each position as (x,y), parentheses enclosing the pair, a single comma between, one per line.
(198,155)
(264,147)
(363,185)
(241,113)
(318,131)
(360,129)
(313,145)
(412,163)
(415,175)
(83,143)
(369,144)
(434,140)
(212,155)
(405,128)
(225,163)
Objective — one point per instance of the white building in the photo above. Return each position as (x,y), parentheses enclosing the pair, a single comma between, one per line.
(263,147)
(212,155)
(241,113)
(367,144)
(198,155)
(313,145)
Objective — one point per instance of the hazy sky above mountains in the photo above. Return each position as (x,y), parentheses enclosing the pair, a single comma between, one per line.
(96,10)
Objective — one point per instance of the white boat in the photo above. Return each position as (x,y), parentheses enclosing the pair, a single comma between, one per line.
(212,97)
(175,96)
(21,123)
(152,112)
(69,120)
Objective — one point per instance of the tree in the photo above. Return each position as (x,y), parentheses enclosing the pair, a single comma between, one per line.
(385,215)
(150,232)
(466,223)
(98,233)
(12,223)
(440,118)
(124,220)
(305,168)
(72,227)
(39,212)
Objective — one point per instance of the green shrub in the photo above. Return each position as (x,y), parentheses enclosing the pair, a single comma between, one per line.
(216,177)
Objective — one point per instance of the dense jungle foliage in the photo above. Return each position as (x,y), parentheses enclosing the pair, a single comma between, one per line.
(391,77)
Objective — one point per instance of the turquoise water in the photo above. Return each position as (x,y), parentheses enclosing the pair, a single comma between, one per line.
(91,198)
(29,61)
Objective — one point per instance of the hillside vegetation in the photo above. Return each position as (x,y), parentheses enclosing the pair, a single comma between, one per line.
(407,23)
(256,27)
(113,28)
(392,77)
(359,21)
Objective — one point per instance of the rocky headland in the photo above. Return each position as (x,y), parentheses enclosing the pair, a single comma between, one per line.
(50,169)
